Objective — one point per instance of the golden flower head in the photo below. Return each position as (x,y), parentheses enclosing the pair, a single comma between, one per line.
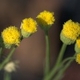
(78,58)
(45,19)
(77,46)
(11,36)
(70,32)
(28,27)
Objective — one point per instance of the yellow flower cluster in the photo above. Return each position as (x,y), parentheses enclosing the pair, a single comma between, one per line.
(71,31)
(28,26)
(78,58)
(11,35)
(45,19)
(69,34)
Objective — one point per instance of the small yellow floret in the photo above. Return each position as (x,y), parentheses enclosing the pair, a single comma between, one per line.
(29,25)
(78,58)
(78,43)
(71,30)
(77,46)
(11,35)
(46,17)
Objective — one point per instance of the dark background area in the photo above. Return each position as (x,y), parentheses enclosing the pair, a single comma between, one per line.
(31,52)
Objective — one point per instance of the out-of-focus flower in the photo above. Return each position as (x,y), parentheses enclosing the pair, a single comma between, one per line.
(28,27)
(45,19)
(10,67)
(70,32)
(77,46)
(78,58)
(11,36)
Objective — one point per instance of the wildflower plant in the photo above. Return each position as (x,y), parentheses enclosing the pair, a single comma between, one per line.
(11,38)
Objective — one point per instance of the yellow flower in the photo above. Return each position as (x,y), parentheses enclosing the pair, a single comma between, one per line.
(28,26)
(71,31)
(78,42)
(45,18)
(77,46)
(11,36)
(78,58)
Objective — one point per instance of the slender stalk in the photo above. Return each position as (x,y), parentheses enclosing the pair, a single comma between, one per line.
(63,48)
(57,65)
(47,63)
(61,72)
(8,58)
(67,59)
(7,76)
(57,68)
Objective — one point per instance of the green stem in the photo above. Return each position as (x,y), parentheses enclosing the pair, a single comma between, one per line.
(63,48)
(7,76)
(67,59)
(59,75)
(61,72)
(8,58)
(56,67)
(47,63)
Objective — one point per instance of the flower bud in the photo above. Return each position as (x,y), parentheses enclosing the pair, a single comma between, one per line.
(45,19)
(11,36)
(70,32)
(28,27)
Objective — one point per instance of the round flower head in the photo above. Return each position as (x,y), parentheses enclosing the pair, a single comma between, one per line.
(28,27)
(70,32)
(78,58)
(77,46)
(45,19)
(10,67)
(11,36)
